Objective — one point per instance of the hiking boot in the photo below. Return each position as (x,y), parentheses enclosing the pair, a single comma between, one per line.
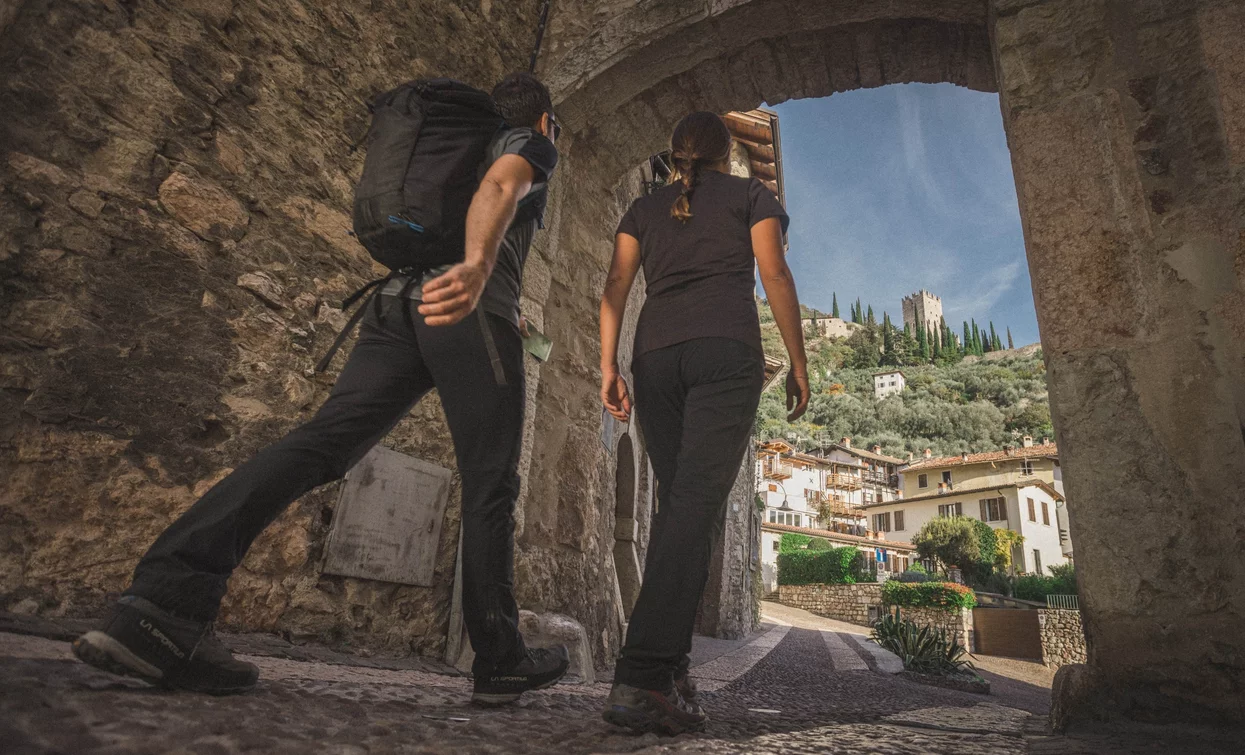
(643,711)
(686,686)
(540,668)
(139,639)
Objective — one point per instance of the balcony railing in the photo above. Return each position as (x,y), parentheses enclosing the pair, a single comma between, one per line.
(830,504)
(776,470)
(843,481)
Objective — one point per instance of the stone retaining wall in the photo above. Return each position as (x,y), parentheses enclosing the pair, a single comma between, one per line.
(843,602)
(956,622)
(1063,637)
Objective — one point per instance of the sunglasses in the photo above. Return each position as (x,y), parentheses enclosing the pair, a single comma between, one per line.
(557,127)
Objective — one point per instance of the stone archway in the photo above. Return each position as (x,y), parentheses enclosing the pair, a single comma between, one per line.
(1126,134)
(627,569)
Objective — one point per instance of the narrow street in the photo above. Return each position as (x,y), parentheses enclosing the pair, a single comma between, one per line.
(803,684)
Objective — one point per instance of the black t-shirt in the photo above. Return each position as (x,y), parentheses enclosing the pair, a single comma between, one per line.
(501,293)
(699,274)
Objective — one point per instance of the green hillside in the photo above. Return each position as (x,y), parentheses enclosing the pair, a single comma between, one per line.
(956,403)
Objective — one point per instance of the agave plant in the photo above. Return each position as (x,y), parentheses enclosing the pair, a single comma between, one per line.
(921,648)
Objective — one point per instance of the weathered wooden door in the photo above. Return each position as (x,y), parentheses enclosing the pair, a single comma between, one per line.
(1010,632)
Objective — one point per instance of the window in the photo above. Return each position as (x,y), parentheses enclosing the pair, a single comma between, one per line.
(775,546)
(1032,511)
(1037,561)
(950,509)
(1026,467)
(946,478)
(773,516)
(899,521)
(922,481)
(882,522)
(797,521)
(993,509)
(773,488)
(1045,514)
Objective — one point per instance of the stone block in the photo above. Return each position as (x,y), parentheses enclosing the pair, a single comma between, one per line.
(204,207)
(542,630)
(1077,694)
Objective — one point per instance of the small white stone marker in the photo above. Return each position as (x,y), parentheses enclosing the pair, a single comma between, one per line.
(764,710)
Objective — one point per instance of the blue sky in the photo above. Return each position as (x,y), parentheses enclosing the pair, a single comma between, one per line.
(905,187)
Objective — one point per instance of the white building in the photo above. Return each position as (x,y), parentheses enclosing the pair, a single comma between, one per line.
(879,476)
(886,383)
(803,490)
(1011,489)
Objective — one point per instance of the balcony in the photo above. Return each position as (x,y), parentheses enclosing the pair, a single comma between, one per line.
(775,470)
(877,478)
(843,482)
(829,505)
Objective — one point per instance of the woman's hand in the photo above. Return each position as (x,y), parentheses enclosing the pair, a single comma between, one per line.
(797,395)
(614,394)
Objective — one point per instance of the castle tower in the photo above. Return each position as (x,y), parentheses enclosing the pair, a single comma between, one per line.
(922,309)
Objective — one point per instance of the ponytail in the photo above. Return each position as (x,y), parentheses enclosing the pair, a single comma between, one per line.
(699,140)
(690,177)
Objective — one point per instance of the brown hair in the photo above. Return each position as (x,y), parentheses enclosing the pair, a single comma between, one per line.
(700,139)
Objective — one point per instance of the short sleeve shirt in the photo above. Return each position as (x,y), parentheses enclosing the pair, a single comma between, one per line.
(501,293)
(700,279)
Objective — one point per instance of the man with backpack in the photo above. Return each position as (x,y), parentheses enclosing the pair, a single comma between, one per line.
(453,190)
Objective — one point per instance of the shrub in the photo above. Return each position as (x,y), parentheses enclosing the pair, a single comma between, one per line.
(919,568)
(864,570)
(952,540)
(791,542)
(819,544)
(988,545)
(947,595)
(913,577)
(921,648)
(1036,587)
(829,567)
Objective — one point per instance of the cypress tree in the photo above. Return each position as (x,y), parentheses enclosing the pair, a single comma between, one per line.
(1010,345)
(834,305)
(922,342)
(976,339)
(870,319)
(860,312)
(968,341)
(888,340)
(994,337)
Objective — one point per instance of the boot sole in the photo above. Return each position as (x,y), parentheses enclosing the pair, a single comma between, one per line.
(641,722)
(98,649)
(493,700)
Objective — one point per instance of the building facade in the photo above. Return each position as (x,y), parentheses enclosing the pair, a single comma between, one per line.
(887,383)
(834,327)
(922,309)
(1010,489)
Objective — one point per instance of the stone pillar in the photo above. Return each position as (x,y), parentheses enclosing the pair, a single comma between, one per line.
(1126,122)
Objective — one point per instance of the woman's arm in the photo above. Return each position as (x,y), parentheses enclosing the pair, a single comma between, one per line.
(779,287)
(623,269)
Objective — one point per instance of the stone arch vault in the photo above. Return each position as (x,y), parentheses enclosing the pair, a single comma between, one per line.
(173,236)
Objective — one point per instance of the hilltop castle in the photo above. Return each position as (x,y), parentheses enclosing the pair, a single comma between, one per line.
(922,308)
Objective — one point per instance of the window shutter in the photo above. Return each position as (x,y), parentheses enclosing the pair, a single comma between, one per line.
(1032,513)
(985,515)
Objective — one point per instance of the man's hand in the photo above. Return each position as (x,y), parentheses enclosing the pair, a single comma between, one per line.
(452,296)
(614,394)
(523,329)
(797,395)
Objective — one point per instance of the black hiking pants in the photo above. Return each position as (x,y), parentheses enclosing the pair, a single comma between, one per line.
(696,403)
(396,360)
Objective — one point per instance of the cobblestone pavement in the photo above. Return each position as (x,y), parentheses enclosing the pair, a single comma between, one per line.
(792,699)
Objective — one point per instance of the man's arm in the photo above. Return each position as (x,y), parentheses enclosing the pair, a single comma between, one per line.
(452,296)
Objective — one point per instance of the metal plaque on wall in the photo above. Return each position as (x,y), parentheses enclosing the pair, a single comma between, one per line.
(388,520)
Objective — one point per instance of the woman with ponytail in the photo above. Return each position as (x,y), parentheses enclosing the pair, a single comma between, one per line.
(698,370)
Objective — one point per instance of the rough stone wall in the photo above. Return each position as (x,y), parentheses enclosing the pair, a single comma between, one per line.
(728,608)
(1126,123)
(175,182)
(956,622)
(1063,638)
(843,602)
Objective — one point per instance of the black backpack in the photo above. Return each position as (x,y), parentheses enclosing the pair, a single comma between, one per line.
(426,151)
